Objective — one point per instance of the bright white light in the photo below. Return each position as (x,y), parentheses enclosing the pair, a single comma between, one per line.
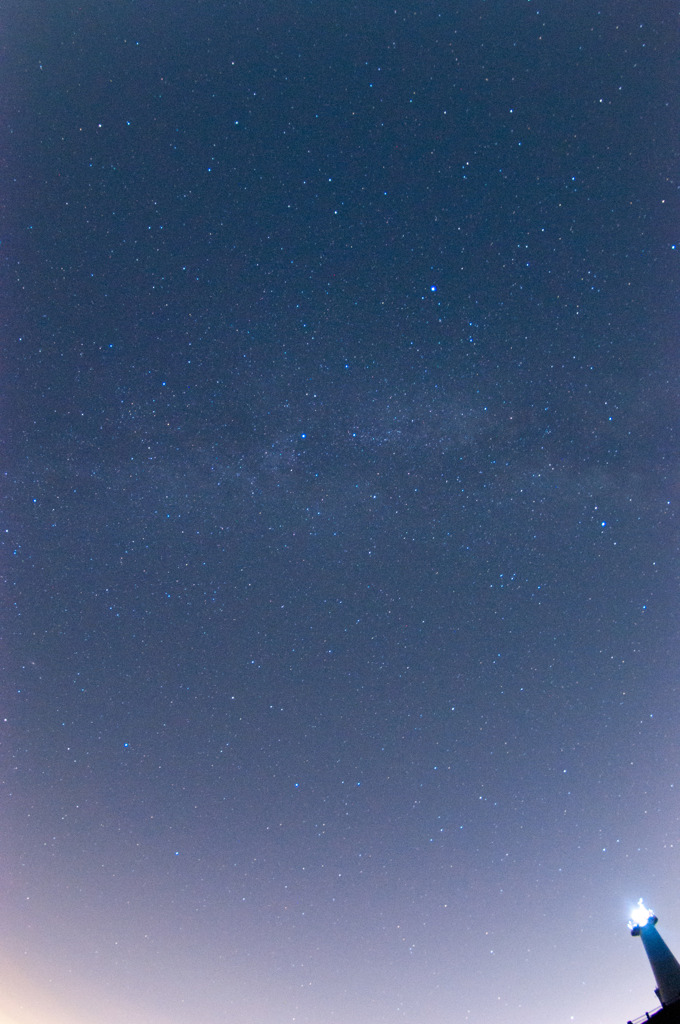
(640,916)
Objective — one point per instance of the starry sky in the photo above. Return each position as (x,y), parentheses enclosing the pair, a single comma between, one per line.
(339,537)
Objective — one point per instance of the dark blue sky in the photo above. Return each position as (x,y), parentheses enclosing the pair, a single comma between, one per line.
(339,521)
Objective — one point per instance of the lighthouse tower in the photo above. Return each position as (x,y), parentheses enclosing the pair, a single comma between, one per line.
(666,968)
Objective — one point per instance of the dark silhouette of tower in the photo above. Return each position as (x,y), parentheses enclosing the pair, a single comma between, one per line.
(666,968)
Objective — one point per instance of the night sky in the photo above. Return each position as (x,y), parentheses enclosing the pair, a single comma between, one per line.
(340,472)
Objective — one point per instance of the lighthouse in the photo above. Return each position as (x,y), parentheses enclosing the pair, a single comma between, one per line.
(664,965)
